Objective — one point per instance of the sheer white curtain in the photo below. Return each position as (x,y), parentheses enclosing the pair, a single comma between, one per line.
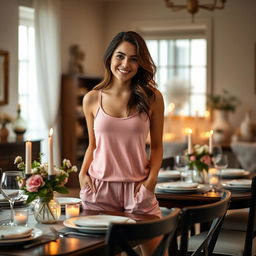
(47,47)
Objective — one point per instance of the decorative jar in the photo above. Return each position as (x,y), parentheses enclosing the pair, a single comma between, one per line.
(19,125)
(222,127)
(47,210)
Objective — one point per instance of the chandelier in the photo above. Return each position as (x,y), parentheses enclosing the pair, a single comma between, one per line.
(193,6)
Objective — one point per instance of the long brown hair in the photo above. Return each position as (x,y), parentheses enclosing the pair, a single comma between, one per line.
(143,82)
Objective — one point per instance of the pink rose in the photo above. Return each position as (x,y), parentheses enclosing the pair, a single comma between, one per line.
(34,182)
(192,158)
(206,160)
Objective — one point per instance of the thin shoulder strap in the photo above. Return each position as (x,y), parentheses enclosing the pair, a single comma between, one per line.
(99,101)
(100,97)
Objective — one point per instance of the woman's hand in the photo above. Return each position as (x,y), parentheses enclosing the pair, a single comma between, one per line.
(149,184)
(85,179)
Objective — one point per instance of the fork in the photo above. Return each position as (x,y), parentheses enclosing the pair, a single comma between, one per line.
(67,233)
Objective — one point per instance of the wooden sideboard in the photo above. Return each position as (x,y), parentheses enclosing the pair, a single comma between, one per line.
(10,149)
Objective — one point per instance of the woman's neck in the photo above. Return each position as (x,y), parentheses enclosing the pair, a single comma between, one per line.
(119,87)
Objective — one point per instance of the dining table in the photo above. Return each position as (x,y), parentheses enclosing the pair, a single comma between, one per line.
(240,198)
(85,244)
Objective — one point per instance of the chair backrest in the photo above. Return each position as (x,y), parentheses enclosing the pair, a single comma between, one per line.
(168,163)
(123,236)
(251,224)
(213,213)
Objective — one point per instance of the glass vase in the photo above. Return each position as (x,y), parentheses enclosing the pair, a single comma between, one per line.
(199,176)
(47,210)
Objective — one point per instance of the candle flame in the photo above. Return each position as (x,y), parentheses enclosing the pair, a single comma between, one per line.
(211,132)
(188,130)
(171,107)
(51,132)
(207,114)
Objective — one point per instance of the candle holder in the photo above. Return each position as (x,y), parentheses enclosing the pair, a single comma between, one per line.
(21,216)
(72,210)
(51,176)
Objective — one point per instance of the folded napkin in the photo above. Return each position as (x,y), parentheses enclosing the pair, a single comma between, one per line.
(180,185)
(233,172)
(168,173)
(242,182)
(99,221)
(14,232)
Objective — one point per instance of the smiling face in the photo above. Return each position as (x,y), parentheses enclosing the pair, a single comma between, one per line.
(124,62)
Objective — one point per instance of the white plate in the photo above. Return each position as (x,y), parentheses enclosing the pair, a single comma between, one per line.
(233,173)
(95,219)
(36,232)
(191,187)
(169,174)
(68,200)
(240,184)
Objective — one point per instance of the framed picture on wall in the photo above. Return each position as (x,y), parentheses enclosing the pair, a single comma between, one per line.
(4,77)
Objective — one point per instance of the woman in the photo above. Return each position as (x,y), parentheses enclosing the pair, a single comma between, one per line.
(116,174)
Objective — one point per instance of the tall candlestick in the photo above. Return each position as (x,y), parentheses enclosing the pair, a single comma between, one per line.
(28,157)
(50,153)
(190,141)
(210,141)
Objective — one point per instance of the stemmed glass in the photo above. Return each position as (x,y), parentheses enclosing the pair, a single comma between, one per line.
(216,153)
(10,190)
(221,164)
(181,164)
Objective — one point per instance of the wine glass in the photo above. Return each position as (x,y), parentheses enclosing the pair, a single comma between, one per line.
(10,190)
(181,164)
(221,164)
(216,153)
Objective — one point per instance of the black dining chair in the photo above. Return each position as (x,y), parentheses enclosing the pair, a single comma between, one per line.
(209,213)
(168,163)
(122,237)
(238,234)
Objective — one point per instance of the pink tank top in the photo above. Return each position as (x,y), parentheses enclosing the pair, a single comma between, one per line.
(120,147)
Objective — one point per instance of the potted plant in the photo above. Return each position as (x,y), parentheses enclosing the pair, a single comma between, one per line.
(222,104)
(224,101)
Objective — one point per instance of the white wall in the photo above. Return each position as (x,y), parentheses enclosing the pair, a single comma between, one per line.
(82,24)
(9,42)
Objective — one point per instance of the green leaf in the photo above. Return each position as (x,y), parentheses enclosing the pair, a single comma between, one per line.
(31,197)
(62,190)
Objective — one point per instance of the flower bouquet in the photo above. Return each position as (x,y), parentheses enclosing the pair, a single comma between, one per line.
(39,185)
(199,160)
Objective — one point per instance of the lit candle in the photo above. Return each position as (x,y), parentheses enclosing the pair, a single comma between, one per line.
(210,141)
(50,153)
(28,157)
(72,210)
(21,217)
(189,141)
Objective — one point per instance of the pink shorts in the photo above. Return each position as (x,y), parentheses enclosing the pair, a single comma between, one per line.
(119,196)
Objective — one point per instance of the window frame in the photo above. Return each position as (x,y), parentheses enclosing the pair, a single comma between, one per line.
(181,29)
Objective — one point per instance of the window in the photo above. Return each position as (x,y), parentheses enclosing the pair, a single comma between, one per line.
(182,54)
(27,73)
(181,63)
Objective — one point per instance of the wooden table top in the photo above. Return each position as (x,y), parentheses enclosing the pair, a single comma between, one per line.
(238,199)
(67,245)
